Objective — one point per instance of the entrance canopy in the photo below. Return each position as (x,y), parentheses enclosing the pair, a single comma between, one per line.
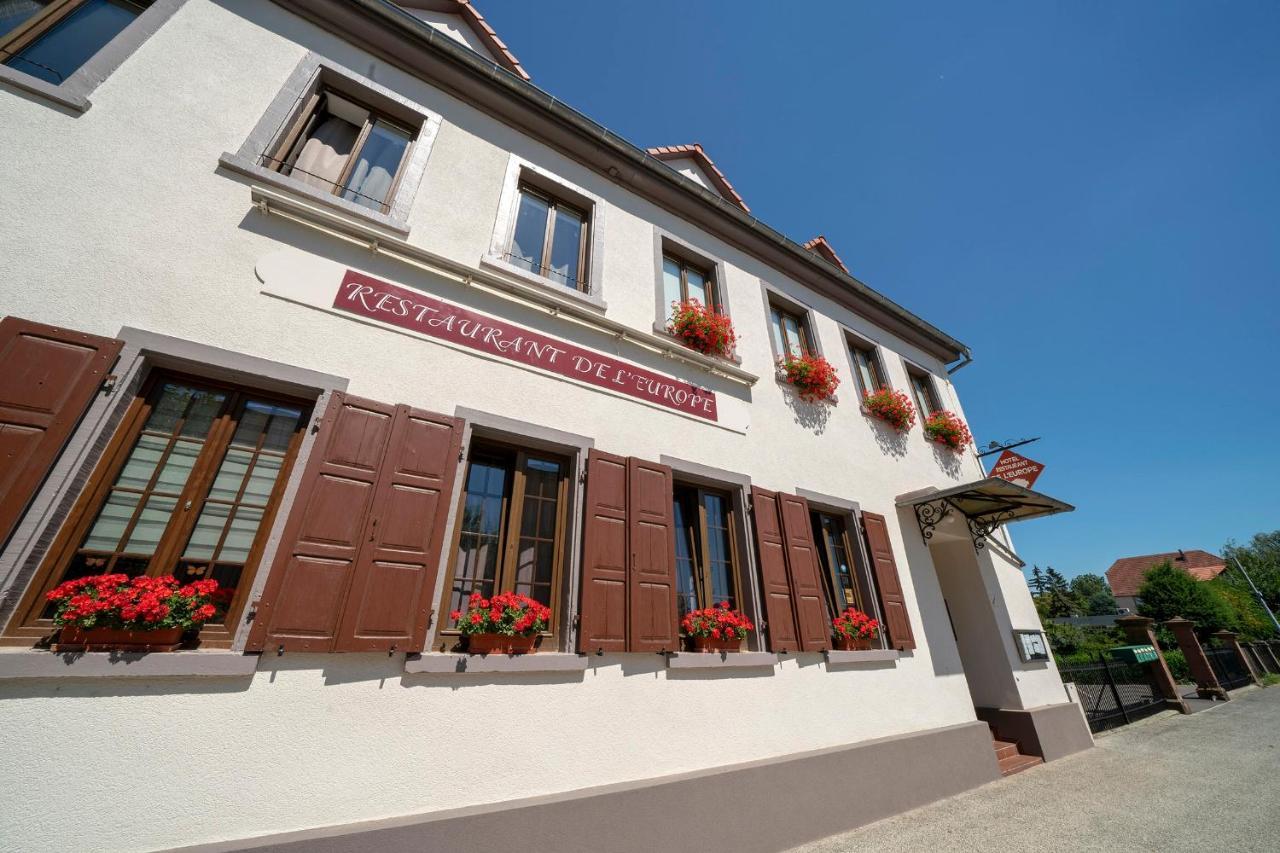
(985,505)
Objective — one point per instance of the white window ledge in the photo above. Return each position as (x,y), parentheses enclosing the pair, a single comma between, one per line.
(877,656)
(719,660)
(463,663)
(33,663)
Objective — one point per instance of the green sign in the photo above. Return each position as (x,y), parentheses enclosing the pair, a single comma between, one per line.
(1135,654)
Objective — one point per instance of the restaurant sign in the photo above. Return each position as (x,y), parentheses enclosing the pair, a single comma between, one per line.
(1016,469)
(374,299)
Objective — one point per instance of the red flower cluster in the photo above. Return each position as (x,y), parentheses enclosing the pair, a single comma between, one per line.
(702,328)
(141,603)
(718,622)
(946,428)
(505,613)
(811,375)
(854,623)
(892,407)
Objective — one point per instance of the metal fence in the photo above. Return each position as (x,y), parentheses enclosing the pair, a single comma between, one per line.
(1114,693)
(1227,665)
(1264,656)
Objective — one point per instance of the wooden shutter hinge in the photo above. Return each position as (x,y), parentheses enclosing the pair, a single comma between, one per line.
(315,424)
(582,476)
(252,612)
(108,384)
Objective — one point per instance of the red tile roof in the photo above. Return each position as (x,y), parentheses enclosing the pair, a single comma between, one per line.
(473,19)
(820,247)
(1125,575)
(694,152)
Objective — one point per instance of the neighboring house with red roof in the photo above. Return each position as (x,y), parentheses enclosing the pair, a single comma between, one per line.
(1126,574)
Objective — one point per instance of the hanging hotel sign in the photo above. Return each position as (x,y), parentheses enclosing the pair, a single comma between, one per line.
(374,299)
(1016,469)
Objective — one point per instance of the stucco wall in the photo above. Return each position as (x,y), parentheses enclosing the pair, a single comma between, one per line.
(128,220)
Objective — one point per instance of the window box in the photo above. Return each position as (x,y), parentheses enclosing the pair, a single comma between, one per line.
(73,639)
(892,407)
(853,630)
(716,644)
(946,428)
(716,629)
(811,375)
(502,644)
(508,623)
(702,328)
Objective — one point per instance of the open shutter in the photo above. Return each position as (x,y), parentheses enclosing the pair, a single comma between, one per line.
(807,596)
(892,603)
(389,605)
(603,616)
(651,581)
(48,377)
(302,603)
(779,621)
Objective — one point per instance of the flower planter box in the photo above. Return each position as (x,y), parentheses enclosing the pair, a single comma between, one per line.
(711,644)
(501,644)
(72,638)
(851,644)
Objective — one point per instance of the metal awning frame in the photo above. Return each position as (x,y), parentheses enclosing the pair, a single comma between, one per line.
(931,509)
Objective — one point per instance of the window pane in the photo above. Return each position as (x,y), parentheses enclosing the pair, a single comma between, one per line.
(177,468)
(566,246)
(530,232)
(476,563)
(792,327)
(686,585)
(56,55)
(151,523)
(775,329)
(240,536)
(376,166)
(15,12)
(231,473)
(697,286)
(262,480)
(670,285)
(112,519)
(319,157)
(718,550)
(866,377)
(141,464)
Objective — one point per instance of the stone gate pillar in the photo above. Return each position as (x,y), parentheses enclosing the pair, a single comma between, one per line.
(1139,630)
(1229,639)
(1207,685)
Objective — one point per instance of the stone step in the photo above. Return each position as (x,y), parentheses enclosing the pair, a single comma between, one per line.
(1004,748)
(1017,763)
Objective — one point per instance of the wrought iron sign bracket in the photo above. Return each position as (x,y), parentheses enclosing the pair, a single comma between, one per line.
(929,515)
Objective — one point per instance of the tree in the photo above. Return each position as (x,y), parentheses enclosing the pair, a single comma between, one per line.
(1168,591)
(1261,557)
(1093,595)
(1251,621)
(1038,583)
(1061,601)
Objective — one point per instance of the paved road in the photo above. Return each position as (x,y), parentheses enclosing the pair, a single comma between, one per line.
(1210,781)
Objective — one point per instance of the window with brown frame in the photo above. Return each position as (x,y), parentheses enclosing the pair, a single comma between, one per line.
(188,486)
(789,332)
(51,39)
(925,395)
(866,367)
(682,280)
(510,531)
(344,147)
(550,237)
(835,552)
(706,549)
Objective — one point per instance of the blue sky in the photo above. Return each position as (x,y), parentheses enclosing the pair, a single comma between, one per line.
(1086,193)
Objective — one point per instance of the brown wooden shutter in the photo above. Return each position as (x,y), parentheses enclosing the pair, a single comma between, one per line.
(779,621)
(389,605)
(807,596)
(48,377)
(302,603)
(893,605)
(651,581)
(602,624)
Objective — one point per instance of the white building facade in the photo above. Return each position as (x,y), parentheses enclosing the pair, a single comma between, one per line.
(326,301)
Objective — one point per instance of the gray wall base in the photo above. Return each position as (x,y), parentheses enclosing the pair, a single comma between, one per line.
(767,805)
(1050,731)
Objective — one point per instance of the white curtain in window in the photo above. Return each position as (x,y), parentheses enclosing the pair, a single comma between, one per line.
(322,159)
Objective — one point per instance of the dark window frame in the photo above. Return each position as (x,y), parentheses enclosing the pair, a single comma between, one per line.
(281,154)
(875,365)
(693,495)
(555,201)
(45,21)
(514,456)
(781,312)
(714,302)
(28,619)
(922,381)
(827,556)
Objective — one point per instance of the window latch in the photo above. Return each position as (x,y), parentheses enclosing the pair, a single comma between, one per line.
(109,384)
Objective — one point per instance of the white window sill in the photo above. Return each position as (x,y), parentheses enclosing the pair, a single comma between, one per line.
(837,658)
(73,97)
(248,168)
(456,664)
(732,358)
(503,265)
(37,663)
(721,660)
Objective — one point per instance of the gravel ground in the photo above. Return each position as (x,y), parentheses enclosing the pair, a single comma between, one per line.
(1210,781)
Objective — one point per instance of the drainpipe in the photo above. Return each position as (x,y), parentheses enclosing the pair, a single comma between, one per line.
(968,360)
